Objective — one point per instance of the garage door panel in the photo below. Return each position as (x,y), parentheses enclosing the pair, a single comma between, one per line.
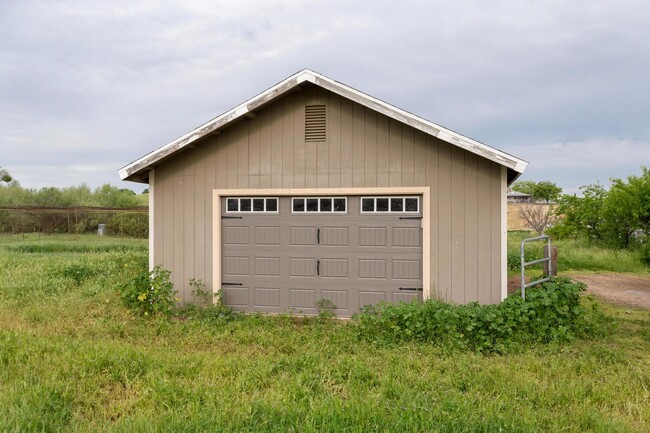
(407,237)
(302,235)
(236,297)
(237,235)
(372,268)
(267,235)
(373,236)
(370,298)
(406,269)
(335,236)
(334,268)
(234,265)
(338,297)
(302,267)
(267,266)
(267,297)
(302,298)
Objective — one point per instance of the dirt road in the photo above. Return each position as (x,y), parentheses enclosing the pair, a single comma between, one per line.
(621,289)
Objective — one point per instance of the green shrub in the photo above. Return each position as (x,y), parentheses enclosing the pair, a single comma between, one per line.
(150,293)
(552,312)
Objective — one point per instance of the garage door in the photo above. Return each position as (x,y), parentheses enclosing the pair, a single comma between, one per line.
(287,254)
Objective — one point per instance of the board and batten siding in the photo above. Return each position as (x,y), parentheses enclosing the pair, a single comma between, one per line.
(363,149)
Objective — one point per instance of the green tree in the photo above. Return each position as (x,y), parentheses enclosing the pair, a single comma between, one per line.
(544,190)
(583,215)
(627,208)
(111,196)
(611,217)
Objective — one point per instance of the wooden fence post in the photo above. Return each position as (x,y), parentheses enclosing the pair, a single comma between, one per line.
(553,261)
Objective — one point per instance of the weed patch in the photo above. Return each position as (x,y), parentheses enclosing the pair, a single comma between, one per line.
(150,293)
(551,313)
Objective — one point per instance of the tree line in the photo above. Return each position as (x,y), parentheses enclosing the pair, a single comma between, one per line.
(12,194)
(618,216)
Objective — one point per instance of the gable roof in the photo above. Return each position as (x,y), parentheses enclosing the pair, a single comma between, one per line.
(137,171)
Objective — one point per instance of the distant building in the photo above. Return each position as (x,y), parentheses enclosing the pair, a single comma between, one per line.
(519,197)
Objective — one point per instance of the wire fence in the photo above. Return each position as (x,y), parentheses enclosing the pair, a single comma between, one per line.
(131,221)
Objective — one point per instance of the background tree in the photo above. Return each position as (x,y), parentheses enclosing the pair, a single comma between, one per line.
(538,216)
(618,217)
(110,196)
(627,209)
(544,190)
(69,220)
(4,176)
(583,215)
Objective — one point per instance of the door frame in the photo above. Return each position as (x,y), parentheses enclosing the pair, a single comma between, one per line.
(424,191)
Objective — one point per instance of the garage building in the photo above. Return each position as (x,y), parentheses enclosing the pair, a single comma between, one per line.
(313,192)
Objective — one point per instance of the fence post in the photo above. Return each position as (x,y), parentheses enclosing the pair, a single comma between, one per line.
(553,256)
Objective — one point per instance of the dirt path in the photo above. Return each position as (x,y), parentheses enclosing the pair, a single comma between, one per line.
(623,289)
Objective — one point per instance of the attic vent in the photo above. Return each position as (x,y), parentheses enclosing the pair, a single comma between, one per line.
(315,122)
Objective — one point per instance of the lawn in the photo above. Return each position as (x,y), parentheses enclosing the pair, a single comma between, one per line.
(73,358)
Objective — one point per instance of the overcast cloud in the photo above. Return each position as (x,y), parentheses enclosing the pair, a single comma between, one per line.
(87,87)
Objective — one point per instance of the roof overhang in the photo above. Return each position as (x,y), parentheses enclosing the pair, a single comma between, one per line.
(138,170)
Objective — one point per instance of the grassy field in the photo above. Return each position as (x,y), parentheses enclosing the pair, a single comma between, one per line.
(578,255)
(72,358)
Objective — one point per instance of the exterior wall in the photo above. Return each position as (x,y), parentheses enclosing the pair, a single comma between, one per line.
(364,149)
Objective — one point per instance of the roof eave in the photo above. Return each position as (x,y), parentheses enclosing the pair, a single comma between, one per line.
(134,170)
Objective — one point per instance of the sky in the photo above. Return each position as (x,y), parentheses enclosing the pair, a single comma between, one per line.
(87,87)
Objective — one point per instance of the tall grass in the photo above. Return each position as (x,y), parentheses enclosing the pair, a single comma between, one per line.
(64,243)
(72,358)
(579,255)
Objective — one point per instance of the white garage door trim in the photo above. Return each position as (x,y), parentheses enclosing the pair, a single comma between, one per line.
(217,194)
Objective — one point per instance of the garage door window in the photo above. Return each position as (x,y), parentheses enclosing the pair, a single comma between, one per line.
(252,204)
(319,204)
(390,204)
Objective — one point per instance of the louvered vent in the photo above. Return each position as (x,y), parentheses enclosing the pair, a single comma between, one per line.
(315,123)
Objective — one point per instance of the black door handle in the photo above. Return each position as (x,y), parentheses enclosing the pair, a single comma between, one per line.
(318,235)
(318,267)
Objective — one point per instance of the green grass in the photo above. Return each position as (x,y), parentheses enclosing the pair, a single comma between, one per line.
(64,243)
(579,255)
(72,358)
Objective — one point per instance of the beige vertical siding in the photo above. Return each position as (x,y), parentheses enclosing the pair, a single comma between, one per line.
(363,149)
